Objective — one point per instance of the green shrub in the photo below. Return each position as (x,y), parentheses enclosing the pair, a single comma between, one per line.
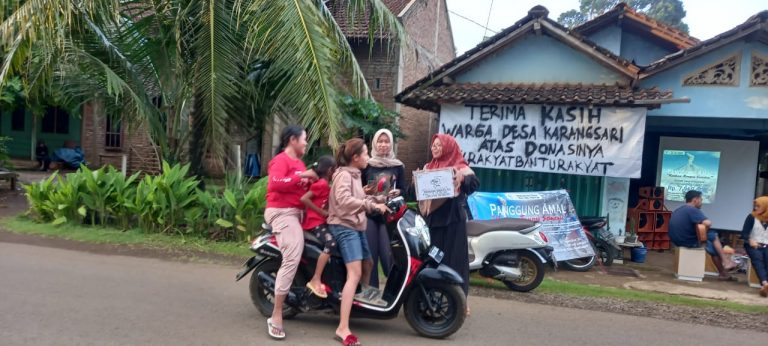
(38,195)
(169,202)
(242,210)
(65,200)
(166,202)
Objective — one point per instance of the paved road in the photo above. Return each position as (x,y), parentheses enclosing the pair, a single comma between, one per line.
(60,297)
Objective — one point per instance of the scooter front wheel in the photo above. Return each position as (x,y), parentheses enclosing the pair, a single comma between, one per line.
(436,310)
(263,298)
(582,264)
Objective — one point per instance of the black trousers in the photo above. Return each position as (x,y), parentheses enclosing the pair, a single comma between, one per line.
(452,239)
(378,243)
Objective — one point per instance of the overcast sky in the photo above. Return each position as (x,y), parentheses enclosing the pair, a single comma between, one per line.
(705,18)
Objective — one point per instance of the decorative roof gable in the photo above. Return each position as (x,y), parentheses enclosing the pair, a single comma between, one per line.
(721,73)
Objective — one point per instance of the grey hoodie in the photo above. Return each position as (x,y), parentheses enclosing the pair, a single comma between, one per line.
(348,202)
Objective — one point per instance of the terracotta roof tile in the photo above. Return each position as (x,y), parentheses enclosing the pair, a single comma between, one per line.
(674,36)
(599,95)
(359,28)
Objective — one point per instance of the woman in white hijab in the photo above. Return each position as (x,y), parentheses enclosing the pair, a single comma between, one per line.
(384,175)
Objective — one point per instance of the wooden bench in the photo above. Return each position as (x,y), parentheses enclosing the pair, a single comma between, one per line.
(10,177)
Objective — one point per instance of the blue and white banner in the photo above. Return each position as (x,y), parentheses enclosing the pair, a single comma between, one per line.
(553,209)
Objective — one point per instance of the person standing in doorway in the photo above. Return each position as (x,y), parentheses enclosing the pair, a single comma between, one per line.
(447,218)
(385,170)
(288,180)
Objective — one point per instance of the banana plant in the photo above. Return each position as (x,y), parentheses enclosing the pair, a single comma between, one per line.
(38,194)
(120,202)
(97,190)
(65,200)
(241,208)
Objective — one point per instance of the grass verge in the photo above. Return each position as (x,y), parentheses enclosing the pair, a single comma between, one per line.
(577,289)
(102,235)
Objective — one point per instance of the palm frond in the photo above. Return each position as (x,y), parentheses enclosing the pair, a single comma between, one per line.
(218,47)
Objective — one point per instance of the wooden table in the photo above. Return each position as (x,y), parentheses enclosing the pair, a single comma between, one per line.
(626,247)
(11,177)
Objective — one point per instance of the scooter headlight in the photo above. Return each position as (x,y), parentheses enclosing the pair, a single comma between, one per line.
(420,230)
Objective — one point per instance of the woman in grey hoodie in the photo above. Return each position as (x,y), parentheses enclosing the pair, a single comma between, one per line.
(347,207)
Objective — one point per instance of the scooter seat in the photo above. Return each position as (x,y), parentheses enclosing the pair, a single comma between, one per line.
(593,221)
(476,228)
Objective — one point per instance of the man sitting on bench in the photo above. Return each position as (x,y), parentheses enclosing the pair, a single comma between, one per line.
(687,222)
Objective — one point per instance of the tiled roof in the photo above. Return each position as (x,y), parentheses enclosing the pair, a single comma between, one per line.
(535,13)
(756,25)
(338,9)
(430,98)
(673,36)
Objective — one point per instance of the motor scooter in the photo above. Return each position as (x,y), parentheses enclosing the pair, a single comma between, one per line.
(602,241)
(429,292)
(596,229)
(513,251)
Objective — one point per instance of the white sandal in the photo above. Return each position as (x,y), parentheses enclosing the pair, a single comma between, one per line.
(279,335)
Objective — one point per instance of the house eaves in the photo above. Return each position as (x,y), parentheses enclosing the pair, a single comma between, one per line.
(755,27)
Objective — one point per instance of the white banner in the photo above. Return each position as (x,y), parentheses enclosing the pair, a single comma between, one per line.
(598,141)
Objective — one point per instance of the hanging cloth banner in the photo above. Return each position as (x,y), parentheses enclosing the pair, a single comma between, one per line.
(553,209)
(582,140)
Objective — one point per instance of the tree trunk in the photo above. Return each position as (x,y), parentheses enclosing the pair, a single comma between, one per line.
(197,140)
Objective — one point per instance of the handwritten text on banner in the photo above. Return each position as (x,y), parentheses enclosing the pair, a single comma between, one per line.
(583,140)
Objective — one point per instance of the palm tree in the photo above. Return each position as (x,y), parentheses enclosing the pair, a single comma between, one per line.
(190,71)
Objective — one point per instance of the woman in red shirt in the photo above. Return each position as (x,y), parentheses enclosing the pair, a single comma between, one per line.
(289,179)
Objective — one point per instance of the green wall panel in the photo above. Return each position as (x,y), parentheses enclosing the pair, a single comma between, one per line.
(21,144)
(585,191)
(21,141)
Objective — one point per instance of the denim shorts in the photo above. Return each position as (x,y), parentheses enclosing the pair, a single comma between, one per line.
(710,247)
(352,244)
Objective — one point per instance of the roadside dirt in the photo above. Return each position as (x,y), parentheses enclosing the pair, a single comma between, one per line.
(705,316)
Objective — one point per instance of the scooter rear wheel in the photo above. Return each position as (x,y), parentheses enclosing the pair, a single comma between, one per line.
(261,297)
(605,251)
(532,270)
(436,312)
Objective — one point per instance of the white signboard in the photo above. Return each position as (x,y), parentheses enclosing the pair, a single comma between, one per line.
(583,140)
(615,196)
(434,184)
